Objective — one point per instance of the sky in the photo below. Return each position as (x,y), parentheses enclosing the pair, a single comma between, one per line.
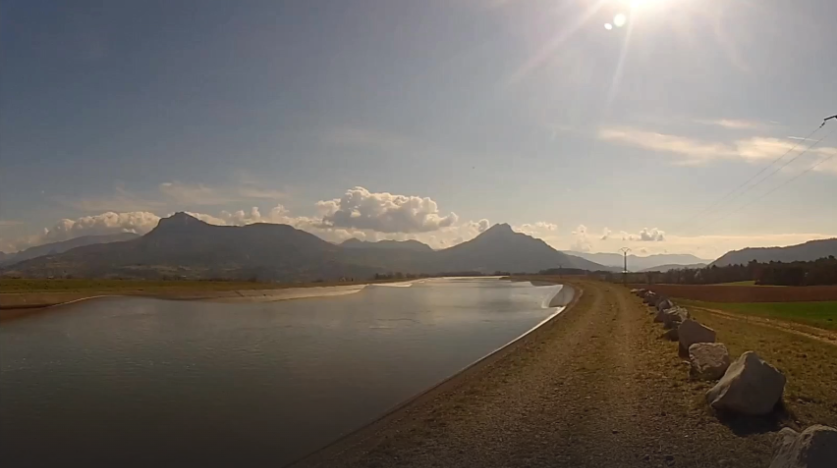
(676,126)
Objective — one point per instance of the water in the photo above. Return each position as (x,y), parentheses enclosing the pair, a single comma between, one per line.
(143,382)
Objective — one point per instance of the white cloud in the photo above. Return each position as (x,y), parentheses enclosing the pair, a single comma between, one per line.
(533,229)
(652,235)
(582,241)
(606,234)
(733,124)
(137,222)
(696,152)
(384,212)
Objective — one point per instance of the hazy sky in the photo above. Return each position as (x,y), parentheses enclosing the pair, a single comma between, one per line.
(423,118)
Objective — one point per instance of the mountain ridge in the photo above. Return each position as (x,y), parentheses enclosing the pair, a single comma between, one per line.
(806,251)
(63,246)
(184,246)
(638,263)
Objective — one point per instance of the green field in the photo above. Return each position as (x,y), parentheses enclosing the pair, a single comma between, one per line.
(819,314)
(749,283)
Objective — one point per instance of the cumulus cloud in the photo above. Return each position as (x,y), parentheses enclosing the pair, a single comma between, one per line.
(651,235)
(606,234)
(582,239)
(383,212)
(644,235)
(137,222)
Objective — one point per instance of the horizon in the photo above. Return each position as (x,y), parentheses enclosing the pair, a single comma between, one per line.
(686,127)
(339,243)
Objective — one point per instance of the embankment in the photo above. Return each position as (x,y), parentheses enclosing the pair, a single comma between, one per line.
(594,386)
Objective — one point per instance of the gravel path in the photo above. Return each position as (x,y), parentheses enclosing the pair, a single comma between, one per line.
(594,387)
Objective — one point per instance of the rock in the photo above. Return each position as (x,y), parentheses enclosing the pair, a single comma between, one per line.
(708,361)
(664,304)
(671,335)
(651,298)
(815,447)
(750,386)
(692,332)
(672,318)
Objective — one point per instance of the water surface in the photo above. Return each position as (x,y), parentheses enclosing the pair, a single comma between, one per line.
(142,382)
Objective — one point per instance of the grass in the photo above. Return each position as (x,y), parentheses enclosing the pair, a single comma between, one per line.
(809,365)
(821,314)
(750,283)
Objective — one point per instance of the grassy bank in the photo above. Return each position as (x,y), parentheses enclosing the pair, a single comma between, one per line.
(821,314)
(810,365)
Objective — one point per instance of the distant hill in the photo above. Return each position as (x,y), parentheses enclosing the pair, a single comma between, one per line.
(499,248)
(183,246)
(665,268)
(637,263)
(63,246)
(412,245)
(811,250)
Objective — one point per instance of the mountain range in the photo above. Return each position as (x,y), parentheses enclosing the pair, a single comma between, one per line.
(647,263)
(811,250)
(63,246)
(185,247)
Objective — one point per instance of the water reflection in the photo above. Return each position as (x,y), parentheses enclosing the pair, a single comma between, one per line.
(139,382)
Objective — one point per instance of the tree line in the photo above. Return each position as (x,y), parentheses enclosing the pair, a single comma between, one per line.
(811,273)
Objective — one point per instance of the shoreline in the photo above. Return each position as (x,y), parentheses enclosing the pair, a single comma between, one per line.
(15,305)
(567,297)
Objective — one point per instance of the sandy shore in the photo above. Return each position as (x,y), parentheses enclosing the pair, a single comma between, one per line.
(595,386)
(16,305)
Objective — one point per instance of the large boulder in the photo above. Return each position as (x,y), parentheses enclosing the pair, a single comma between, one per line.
(691,332)
(672,318)
(664,304)
(815,447)
(651,298)
(708,361)
(750,386)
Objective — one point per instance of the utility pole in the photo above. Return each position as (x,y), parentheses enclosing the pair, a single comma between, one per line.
(625,251)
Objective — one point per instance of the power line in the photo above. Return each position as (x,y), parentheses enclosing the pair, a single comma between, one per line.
(725,197)
(774,189)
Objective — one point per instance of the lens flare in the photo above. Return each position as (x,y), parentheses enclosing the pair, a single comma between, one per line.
(619,20)
(608,26)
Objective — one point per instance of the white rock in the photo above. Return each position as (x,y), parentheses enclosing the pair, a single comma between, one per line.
(815,447)
(708,361)
(750,386)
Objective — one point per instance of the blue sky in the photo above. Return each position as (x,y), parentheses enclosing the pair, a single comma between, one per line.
(422,119)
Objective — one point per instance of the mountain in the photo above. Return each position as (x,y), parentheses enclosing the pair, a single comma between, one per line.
(636,263)
(811,250)
(412,245)
(185,247)
(665,268)
(499,248)
(59,247)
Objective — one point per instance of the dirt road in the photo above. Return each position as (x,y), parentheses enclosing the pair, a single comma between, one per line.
(595,387)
